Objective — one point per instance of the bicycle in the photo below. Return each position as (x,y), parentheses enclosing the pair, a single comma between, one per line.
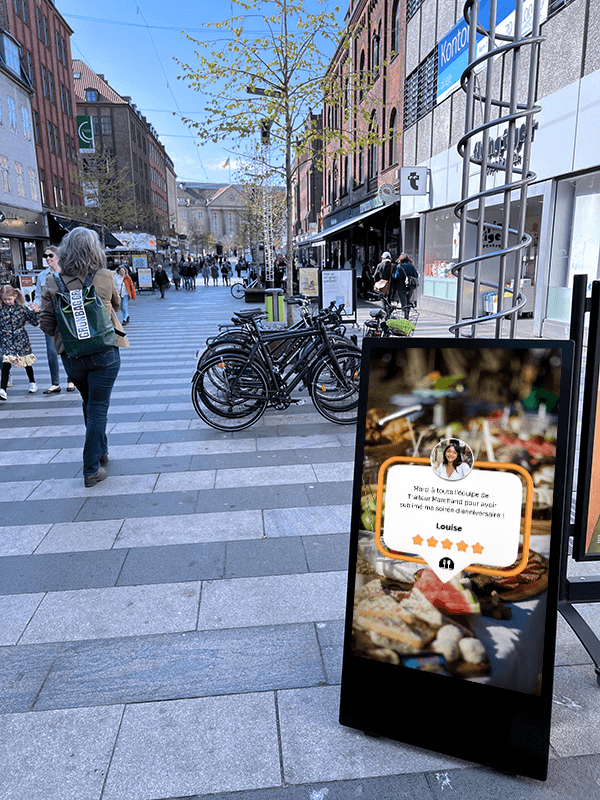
(231,390)
(238,290)
(391,320)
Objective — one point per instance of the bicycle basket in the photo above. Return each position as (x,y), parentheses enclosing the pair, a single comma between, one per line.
(400,327)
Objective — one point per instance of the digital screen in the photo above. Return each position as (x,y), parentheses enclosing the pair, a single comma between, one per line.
(458,513)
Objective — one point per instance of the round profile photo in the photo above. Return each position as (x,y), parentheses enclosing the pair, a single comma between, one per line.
(452,459)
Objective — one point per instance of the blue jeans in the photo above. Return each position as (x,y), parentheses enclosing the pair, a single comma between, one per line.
(52,360)
(125,306)
(94,376)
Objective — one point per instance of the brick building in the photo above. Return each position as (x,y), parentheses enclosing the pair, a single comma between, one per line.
(120,130)
(308,195)
(22,221)
(360,199)
(44,37)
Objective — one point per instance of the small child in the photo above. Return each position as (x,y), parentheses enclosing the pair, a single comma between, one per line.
(14,341)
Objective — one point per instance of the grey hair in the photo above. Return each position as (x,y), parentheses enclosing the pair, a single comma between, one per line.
(80,252)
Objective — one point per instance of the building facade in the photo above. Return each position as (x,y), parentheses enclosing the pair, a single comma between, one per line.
(122,132)
(564,198)
(22,221)
(210,216)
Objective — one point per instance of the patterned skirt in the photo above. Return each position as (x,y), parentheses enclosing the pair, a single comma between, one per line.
(20,361)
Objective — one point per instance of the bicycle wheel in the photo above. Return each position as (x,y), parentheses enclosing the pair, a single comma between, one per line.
(237,290)
(335,392)
(229,393)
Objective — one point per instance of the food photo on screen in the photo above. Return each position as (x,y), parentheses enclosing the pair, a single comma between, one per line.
(457,491)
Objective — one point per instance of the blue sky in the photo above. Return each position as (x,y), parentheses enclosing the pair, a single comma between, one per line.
(132,43)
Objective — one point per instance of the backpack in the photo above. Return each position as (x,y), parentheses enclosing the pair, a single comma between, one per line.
(82,319)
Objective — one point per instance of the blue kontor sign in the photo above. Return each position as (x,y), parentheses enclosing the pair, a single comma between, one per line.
(453,49)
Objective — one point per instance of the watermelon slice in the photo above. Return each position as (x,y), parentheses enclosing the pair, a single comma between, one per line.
(450,597)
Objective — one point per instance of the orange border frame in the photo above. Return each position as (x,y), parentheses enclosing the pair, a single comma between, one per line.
(486,465)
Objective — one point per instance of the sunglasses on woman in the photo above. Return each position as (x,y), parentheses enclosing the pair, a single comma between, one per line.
(49,255)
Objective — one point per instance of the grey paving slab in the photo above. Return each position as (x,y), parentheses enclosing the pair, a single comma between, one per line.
(307,521)
(336,471)
(575,711)
(246,497)
(173,563)
(190,528)
(184,747)
(17,540)
(136,505)
(272,600)
(141,466)
(327,553)
(110,612)
(22,675)
(321,494)
(112,486)
(248,460)
(15,613)
(326,455)
(172,481)
(568,779)
(207,447)
(265,476)
(331,641)
(182,665)
(57,755)
(569,649)
(51,572)
(315,747)
(265,557)
(117,452)
(27,457)
(40,472)
(17,490)
(306,442)
(10,445)
(401,787)
(37,512)
(70,537)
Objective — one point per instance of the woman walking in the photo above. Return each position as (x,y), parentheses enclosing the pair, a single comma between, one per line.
(94,375)
(14,341)
(53,266)
(126,291)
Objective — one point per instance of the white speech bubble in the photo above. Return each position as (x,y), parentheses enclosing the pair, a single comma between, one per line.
(452,524)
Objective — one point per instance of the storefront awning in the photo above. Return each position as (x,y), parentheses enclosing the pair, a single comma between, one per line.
(58,226)
(327,233)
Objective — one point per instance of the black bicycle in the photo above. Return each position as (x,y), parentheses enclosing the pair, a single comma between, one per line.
(390,319)
(232,389)
(238,290)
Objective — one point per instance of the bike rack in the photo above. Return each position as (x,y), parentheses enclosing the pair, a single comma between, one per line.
(508,154)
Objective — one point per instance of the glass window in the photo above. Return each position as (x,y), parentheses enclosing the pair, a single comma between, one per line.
(50,135)
(106,125)
(45,81)
(46,33)
(20,180)
(4,173)
(392,144)
(18,8)
(56,193)
(26,123)
(40,28)
(11,54)
(30,71)
(43,188)
(441,233)
(33,184)
(57,141)
(36,128)
(91,96)
(6,264)
(12,114)
(51,87)
(576,240)
(25,13)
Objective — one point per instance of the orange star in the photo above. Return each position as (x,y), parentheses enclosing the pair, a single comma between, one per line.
(447,544)
(477,548)
(418,540)
(432,542)
(462,546)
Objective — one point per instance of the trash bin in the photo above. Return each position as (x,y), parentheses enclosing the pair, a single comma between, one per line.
(274,305)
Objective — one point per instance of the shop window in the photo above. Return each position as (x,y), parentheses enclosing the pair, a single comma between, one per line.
(6,264)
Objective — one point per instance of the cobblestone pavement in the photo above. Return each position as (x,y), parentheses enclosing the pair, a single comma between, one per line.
(175,631)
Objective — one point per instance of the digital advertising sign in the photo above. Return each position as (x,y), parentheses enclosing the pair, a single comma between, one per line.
(458,518)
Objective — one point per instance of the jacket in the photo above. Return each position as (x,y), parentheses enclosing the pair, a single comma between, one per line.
(14,340)
(105,289)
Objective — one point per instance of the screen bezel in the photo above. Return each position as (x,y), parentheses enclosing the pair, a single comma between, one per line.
(518,741)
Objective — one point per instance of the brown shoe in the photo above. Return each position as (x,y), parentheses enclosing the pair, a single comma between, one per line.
(92,480)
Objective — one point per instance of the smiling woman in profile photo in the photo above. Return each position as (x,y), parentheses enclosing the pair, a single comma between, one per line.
(453,466)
